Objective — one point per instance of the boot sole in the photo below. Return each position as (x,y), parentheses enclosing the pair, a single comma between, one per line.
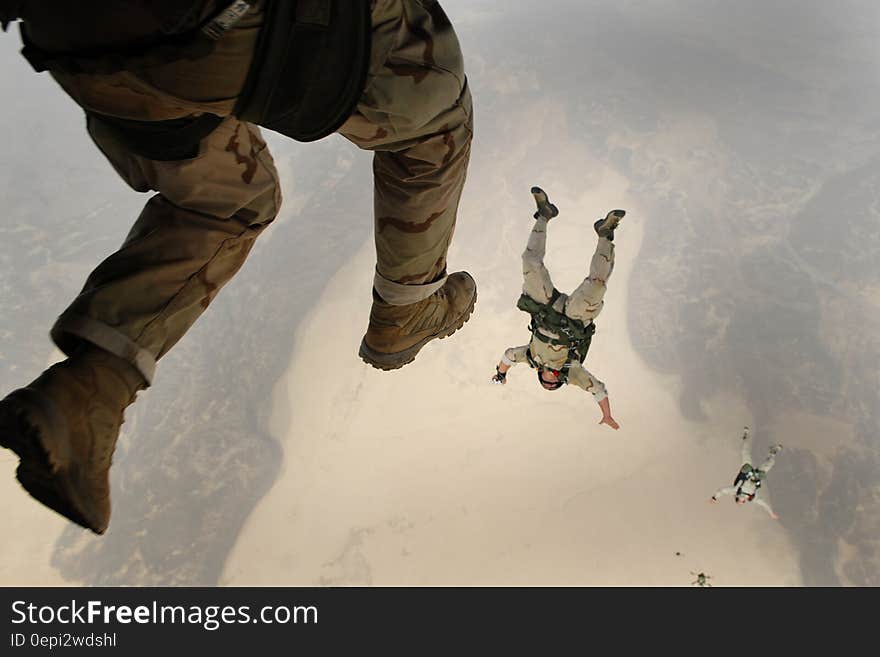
(49,485)
(388,362)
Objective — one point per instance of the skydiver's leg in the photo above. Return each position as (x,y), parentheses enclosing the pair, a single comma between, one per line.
(746,447)
(416,115)
(586,302)
(770,461)
(196,232)
(536,278)
(188,242)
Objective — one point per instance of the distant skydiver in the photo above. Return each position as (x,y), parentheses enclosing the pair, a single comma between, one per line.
(173,93)
(702,579)
(749,479)
(562,325)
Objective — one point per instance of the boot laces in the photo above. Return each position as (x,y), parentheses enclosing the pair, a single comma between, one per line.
(433,313)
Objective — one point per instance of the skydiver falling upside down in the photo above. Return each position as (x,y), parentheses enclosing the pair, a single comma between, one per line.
(749,479)
(562,325)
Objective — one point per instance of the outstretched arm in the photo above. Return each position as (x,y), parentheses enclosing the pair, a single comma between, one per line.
(581,377)
(501,373)
(766,507)
(729,490)
(605,405)
(511,357)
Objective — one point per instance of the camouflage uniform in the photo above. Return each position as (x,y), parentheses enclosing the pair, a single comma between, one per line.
(584,304)
(416,115)
(748,485)
(195,234)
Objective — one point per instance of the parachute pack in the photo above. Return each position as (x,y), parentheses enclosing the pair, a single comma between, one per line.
(748,473)
(573,333)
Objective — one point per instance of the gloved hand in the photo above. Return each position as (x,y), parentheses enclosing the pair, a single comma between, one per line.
(500,377)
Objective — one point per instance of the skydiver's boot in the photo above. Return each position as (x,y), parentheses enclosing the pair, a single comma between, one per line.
(64,428)
(397,333)
(775,449)
(605,227)
(545,208)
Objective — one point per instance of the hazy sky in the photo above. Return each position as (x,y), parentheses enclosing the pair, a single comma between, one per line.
(744,140)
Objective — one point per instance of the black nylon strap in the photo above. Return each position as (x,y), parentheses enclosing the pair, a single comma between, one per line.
(163,141)
(107,62)
(194,42)
(561,342)
(310,67)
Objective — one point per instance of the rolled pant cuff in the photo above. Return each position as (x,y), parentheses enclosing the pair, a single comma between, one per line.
(398,294)
(70,329)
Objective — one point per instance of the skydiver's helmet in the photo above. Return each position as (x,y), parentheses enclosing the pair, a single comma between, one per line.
(550,385)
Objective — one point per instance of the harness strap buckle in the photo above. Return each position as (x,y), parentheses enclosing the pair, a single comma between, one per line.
(226,19)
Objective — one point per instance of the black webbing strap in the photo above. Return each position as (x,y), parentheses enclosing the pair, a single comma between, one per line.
(563,341)
(10,10)
(163,141)
(309,68)
(193,43)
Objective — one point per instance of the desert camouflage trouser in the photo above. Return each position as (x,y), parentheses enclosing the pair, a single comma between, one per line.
(197,231)
(586,302)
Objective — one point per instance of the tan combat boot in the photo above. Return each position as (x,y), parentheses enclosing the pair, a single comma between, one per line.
(397,333)
(605,227)
(545,208)
(64,427)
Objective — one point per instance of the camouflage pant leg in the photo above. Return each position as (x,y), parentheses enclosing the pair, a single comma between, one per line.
(190,239)
(536,278)
(746,448)
(195,234)
(586,302)
(416,115)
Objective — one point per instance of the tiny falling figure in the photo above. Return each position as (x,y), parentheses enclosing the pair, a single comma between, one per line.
(749,479)
(702,579)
